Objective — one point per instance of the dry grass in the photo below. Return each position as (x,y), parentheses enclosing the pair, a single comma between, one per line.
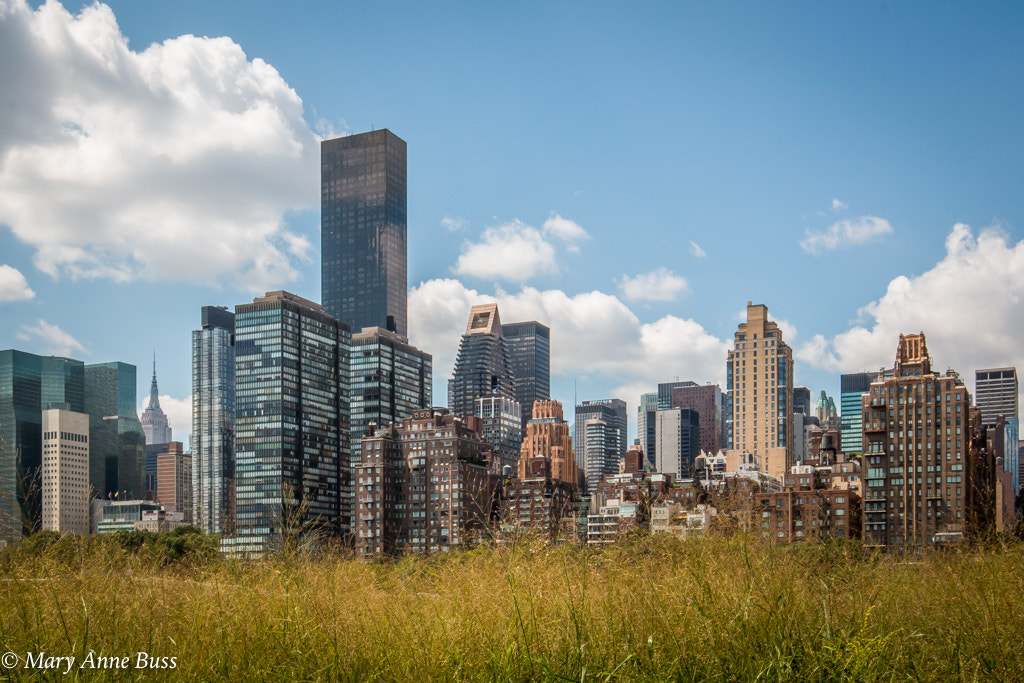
(656,609)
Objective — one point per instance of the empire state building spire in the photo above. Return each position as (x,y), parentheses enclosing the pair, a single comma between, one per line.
(154,421)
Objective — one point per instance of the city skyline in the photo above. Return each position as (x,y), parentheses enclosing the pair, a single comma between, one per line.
(623,200)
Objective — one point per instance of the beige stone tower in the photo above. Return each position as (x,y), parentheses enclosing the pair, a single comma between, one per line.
(759,372)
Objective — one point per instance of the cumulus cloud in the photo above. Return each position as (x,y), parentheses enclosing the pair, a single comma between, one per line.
(591,333)
(51,339)
(178,162)
(968,306)
(839,206)
(657,285)
(13,285)
(566,230)
(513,251)
(696,250)
(846,233)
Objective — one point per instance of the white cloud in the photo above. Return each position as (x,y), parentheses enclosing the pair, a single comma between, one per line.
(513,251)
(174,163)
(658,285)
(564,229)
(51,339)
(591,333)
(846,232)
(696,250)
(839,206)
(968,306)
(13,285)
(454,224)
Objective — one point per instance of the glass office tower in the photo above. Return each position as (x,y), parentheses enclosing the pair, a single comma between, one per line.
(213,421)
(529,351)
(363,230)
(28,384)
(292,458)
(117,452)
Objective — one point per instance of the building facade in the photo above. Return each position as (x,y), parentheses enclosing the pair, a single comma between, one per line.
(547,436)
(917,470)
(759,374)
(851,388)
(646,426)
(292,460)
(529,349)
(28,385)
(363,230)
(706,401)
(213,421)
(390,379)
(423,486)
(600,437)
(501,424)
(174,477)
(995,392)
(483,366)
(117,453)
(678,441)
(65,471)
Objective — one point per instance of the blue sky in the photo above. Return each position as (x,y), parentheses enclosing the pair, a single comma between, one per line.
(629,176)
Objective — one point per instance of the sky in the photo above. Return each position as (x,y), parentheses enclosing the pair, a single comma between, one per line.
(631,176)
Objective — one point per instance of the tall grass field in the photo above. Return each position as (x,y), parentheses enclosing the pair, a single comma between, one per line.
(657,609)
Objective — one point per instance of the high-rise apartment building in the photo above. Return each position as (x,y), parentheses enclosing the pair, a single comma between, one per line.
(501,424)
(646,426)
(600,439)
(759,373)
(547,436)
(423,486)
(917,468)
(292,460)
(117,449)
(154,422)
(174,477)
(28,385)
(213,421)
(678,441)
(995,392)
(65,470)
(363,230)
(665,390)
(390,379)
(851,416)
(529,350)
(706,401)
(483,367)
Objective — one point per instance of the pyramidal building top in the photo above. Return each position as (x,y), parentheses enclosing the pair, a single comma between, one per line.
(154,421)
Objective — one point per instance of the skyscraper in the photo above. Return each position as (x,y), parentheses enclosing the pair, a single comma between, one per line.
(292,459)
(482,367)
(851,387)
(65,476)
(995,391)
(154,422)
(117,449)
(213,421)
(646,426)
(918,474)
(665,390)
(678,438)
(600,440)
(706,401)
(363,230)
(390,379)
(529,348)
(547,436)
(28,385)
(761,394)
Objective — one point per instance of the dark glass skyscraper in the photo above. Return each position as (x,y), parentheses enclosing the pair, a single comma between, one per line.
(482,368)
(28,384)
(213,421)
(363,230)
(529,351)
(117,452)
(292,459)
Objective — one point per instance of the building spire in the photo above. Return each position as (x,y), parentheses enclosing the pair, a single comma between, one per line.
(154,393)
